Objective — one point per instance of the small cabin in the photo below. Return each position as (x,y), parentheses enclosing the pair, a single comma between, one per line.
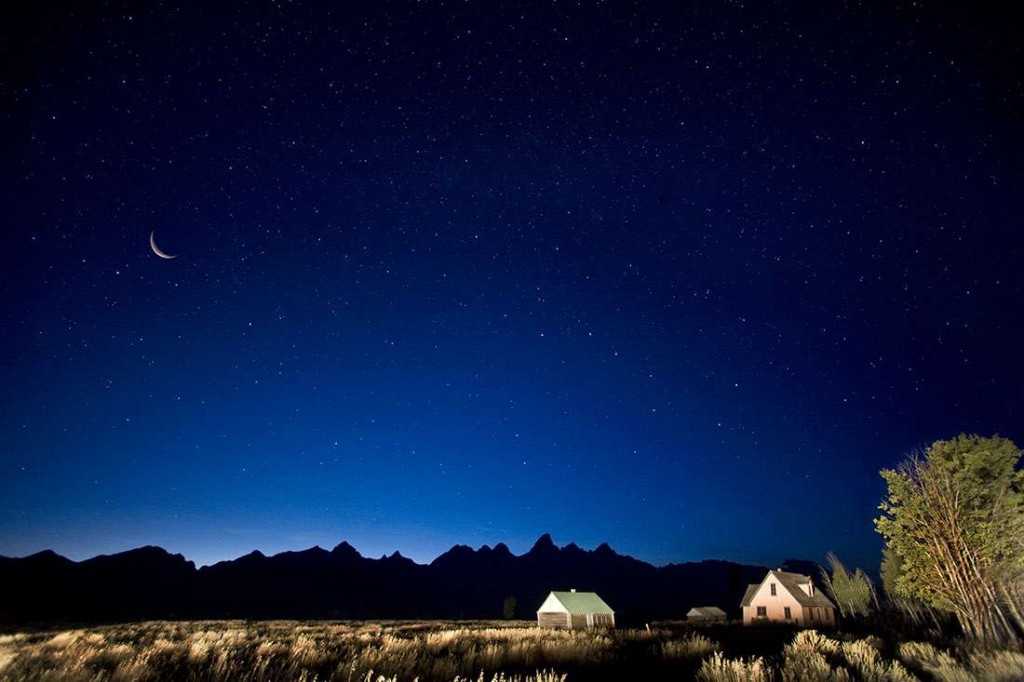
(706,614)
(575,610)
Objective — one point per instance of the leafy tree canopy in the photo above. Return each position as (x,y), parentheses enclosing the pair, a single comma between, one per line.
(953,524)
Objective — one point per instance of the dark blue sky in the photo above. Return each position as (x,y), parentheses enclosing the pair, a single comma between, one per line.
(681,277)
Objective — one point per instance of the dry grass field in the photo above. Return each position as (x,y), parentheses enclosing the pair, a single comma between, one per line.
(470,652)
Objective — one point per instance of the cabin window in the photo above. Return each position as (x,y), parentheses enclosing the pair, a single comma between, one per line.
(773,589)
(788,613)
(762,611)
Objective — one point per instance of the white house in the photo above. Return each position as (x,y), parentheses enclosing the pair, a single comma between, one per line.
(785,597)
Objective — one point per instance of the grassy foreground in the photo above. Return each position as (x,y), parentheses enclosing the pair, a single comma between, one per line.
(471,652)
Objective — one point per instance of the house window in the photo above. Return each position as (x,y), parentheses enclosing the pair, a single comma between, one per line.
(773,589)
(762,611)
(788,613)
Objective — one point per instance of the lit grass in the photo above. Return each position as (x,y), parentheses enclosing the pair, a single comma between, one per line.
(212,651)
(694,646)
(974,665)
(352,652)
(864,659)
(718,668)
(812,657)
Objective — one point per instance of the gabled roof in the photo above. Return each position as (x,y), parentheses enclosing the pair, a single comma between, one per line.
(582,602)
(792,583)
(706,612)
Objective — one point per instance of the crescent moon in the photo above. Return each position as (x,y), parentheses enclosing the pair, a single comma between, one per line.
(156,249)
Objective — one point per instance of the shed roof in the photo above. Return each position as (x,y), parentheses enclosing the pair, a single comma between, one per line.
(706,612)
(582,602)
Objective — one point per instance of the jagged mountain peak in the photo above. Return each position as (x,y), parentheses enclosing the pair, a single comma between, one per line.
(544,544)
(397,557)
(343,549)
(47,555)
(146,553)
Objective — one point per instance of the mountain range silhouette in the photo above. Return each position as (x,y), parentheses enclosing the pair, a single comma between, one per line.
(151,583)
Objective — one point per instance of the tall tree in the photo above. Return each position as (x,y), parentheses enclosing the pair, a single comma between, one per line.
(508,608)
(953,524)
(853,592)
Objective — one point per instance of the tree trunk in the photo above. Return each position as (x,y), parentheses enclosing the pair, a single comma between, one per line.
(1014,609)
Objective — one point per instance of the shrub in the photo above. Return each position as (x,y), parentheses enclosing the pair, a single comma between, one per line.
(863,657)
(694,646)
(997,666)
(812,640)
(810,666)
(721,669)
(935,662)
(804,659)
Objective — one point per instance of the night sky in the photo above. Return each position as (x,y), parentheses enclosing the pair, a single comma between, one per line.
(679,277)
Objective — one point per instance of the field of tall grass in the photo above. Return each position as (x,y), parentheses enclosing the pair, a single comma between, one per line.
(813,657)
(468,652)
(352,652)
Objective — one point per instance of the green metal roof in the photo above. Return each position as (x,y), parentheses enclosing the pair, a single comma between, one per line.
(583,602)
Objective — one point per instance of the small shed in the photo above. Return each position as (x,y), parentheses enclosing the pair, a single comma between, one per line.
(575,610)
(706,614)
